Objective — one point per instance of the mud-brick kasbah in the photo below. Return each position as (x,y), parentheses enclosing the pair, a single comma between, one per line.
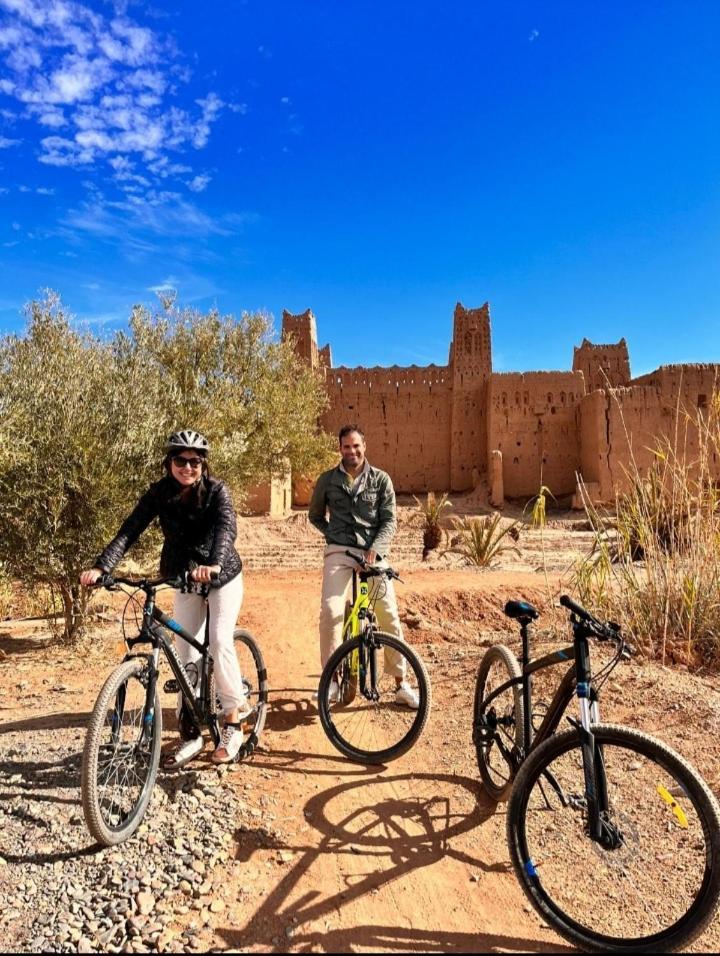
(461,426)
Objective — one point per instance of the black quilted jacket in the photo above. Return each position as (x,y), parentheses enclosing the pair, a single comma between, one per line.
(204,536)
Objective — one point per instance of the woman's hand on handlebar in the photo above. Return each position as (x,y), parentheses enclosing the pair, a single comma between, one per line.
(90,577)
(205,573)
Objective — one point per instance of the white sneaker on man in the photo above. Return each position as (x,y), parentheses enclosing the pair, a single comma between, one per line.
(333,693)
(407,697)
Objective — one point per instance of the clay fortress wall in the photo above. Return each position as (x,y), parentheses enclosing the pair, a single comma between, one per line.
(456,426)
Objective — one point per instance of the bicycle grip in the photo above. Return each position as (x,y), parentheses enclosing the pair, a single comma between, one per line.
(576,609)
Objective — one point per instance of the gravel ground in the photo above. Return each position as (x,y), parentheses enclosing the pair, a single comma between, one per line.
(156,892)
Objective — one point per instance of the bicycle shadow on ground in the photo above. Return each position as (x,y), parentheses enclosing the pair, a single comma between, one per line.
(303,762)
(287,713)
(59,721)
(26,810)
(394,836)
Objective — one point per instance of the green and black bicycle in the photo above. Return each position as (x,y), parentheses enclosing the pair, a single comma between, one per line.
(357,696)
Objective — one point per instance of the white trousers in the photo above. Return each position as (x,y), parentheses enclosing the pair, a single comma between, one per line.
(189,611)
(337,578)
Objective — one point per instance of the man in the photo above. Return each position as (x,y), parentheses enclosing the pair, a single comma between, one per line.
(353,505)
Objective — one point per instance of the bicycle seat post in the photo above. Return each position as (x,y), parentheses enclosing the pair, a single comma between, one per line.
(527,716)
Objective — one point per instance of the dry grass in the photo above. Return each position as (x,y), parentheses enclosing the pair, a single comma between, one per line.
(655,567)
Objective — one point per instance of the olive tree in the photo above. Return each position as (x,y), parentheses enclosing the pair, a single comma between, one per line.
(83,421)
(76,451)
(235,382)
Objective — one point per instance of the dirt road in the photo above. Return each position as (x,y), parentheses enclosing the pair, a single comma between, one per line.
(330,856)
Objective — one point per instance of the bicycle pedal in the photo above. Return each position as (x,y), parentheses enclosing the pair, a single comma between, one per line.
(171,686)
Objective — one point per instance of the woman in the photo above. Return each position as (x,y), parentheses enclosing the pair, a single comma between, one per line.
(198,522)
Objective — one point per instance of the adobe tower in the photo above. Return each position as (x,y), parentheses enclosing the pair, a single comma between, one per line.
(471,364)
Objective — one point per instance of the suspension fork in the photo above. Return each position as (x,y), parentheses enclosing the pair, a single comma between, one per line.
(149,713)
(592,754)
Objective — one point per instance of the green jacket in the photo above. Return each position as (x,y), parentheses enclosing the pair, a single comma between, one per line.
(366,521)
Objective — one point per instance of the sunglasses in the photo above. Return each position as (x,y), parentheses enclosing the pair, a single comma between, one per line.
(180,462)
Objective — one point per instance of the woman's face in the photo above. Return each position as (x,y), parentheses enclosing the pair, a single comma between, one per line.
(186,467)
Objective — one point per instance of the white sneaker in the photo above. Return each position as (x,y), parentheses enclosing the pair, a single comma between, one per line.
(231,740)
(183,754)
(406,696)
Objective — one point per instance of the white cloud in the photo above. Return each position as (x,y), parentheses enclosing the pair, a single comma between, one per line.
(16,226)
(6,143)
(199,183)
(45,191)
(534,34)
(105,80)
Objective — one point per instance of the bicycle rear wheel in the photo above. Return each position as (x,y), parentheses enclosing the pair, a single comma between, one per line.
(255,682)
(121,754)
(369,725)
(659,887)
(498,728)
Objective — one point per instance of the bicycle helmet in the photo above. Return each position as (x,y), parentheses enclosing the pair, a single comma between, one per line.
(187,440)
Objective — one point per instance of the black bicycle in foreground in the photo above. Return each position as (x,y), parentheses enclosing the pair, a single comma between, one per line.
(614,837)
(122,745)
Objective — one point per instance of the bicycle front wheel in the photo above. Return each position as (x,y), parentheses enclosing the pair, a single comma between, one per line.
(498,727)
(372,724)
(657,888)
(255,684)
(121,754)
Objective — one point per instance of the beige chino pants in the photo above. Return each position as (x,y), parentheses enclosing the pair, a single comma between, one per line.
(336,590)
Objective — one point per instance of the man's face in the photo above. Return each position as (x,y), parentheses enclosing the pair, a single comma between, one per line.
(352,450)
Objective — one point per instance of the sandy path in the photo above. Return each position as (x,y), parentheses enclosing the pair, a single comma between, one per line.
(409,857)
(332,856)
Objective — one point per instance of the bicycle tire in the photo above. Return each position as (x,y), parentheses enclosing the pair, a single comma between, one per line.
(98,815)
(653,858)
(258,693)
(415,727)
(496,784)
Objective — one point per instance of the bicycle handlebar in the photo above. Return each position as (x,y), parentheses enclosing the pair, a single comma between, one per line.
(369,569)
(176,581)
(603,631)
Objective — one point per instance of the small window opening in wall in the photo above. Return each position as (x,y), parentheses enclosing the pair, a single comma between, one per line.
(516,461)
(518,443)
(702,401)
(552,410)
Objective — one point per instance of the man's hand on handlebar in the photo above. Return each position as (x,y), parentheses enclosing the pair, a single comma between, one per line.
(370,557)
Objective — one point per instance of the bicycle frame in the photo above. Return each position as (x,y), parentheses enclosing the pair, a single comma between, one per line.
(353,626)
(575,682)
(153,630)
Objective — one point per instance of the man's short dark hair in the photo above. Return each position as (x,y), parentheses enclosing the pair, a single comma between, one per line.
(347,429)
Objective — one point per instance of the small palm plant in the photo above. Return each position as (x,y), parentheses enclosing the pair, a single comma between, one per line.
(429,513)
(481,540)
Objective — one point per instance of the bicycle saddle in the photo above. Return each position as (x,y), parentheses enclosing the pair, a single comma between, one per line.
(521,609)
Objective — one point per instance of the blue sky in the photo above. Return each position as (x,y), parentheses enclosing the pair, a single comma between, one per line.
(375,162)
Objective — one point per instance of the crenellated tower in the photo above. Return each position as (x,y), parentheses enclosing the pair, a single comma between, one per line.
(471,367)
(302,329)
(603,366)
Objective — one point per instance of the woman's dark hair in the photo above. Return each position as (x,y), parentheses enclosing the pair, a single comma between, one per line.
(192,497)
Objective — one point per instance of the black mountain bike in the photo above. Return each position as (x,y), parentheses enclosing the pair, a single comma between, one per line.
(614,837)
(363,719)
(122,745)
